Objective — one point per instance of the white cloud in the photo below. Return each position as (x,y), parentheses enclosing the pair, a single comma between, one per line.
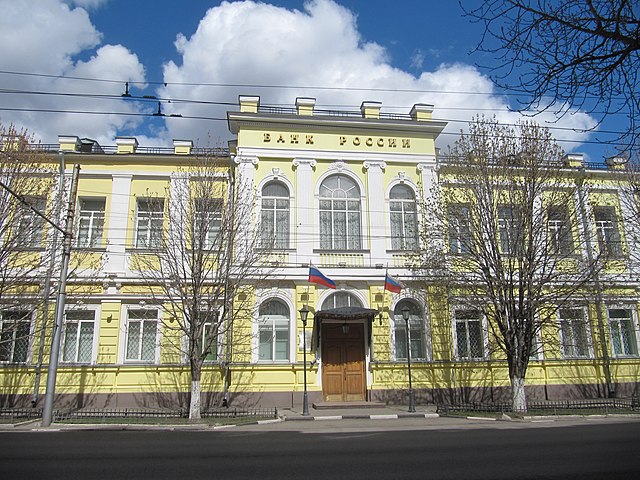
(87,3)
(260,44)
(48,41)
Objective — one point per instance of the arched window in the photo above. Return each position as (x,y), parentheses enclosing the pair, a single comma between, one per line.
(273,331)
(341,299)
(275,216)
(417,333)
(402,206)
(340,226)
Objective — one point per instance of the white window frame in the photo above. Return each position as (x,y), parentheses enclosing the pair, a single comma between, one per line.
(608,230)
(217,344)
(273,216)
(124,335)
(95,220)
(30,226)
(587,326)
(152,217)
(332,211)
(634,326)
(290,333)
(95,310)
(208,218)
(14,333)
(407,241)
(483,331)
(456,244)
(398,323)
(560,229)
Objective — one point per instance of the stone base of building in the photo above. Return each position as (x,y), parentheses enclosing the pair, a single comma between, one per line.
(248,400)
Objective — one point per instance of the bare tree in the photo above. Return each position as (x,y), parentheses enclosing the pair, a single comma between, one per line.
(509,232)
(578,53)
(201,268)
(26,199)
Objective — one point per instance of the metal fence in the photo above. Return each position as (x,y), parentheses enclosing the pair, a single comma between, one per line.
(601,405)
(24,414)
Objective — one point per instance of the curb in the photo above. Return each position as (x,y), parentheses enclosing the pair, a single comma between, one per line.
(393,416)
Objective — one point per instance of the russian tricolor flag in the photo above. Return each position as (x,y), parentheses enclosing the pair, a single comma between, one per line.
(391,284)
(316,276)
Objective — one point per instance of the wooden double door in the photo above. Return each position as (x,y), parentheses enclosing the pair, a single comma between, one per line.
(343,361)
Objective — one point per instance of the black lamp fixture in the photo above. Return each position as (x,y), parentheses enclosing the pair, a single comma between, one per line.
(405,316)
(345,328)
(304,313)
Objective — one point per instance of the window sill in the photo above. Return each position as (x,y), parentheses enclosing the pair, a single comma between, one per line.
(321,250)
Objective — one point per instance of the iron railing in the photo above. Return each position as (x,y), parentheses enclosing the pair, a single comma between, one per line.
(602,405)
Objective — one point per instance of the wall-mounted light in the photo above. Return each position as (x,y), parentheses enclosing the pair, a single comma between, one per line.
(109,318)
(345,328)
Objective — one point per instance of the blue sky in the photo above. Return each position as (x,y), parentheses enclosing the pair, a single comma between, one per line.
(398,52)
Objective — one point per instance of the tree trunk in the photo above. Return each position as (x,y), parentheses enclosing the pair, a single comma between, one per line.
(518,398)
(194,403)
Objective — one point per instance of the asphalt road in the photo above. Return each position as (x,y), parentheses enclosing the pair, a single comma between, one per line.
(599,451)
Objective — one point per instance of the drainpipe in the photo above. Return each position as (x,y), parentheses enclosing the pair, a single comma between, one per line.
(47,287)
(228,302)
(606,361)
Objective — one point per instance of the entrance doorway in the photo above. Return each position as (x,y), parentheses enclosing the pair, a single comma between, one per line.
(343,360)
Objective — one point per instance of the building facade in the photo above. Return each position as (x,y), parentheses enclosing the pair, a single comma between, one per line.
(341,192)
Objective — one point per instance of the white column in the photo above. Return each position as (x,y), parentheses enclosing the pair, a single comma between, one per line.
(305,238)
(118,223)
(377,214)
(245,199)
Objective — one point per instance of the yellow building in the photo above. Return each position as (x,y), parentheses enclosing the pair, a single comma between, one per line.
(340,192)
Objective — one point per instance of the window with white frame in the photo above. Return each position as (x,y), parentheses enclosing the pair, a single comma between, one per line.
(508,231)
(459,226)
(574,332)
(208,221)
(417,331)
(30,225)
(606,224)
(340,216)
(210,336)
(273,331)
(149,222)
(624,339)
(90,222)
(404,219)
(341,299)
(469,334)
(560,235)
(79,326)
(274,216)
(15,328)
(142,335)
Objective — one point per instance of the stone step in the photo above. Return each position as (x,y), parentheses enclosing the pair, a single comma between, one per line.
(346,405)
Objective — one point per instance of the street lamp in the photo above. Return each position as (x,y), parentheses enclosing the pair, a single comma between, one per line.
(304,313)
(405,315)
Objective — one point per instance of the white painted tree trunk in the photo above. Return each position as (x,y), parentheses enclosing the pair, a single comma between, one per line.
(518,398)
(194,405)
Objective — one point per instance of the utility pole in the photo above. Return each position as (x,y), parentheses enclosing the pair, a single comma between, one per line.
(47,412)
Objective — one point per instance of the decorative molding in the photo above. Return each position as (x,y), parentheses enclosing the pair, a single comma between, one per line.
(307,162)
(381,164)
(238,159)
(339,165)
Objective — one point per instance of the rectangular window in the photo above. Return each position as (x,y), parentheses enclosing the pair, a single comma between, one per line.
(78,336)
(210,336)
(469,337)
(90,222)
(416,337)
(274,223)
(149,222)
(607,230)
(574,332)
(459,223)
(273,333)
(208,221)
(508,229)
(30,225)
(142,329)
(15,328)
(560,235)
(623,333)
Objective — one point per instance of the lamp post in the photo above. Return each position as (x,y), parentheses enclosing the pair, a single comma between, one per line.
(304,313)
(405,316)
